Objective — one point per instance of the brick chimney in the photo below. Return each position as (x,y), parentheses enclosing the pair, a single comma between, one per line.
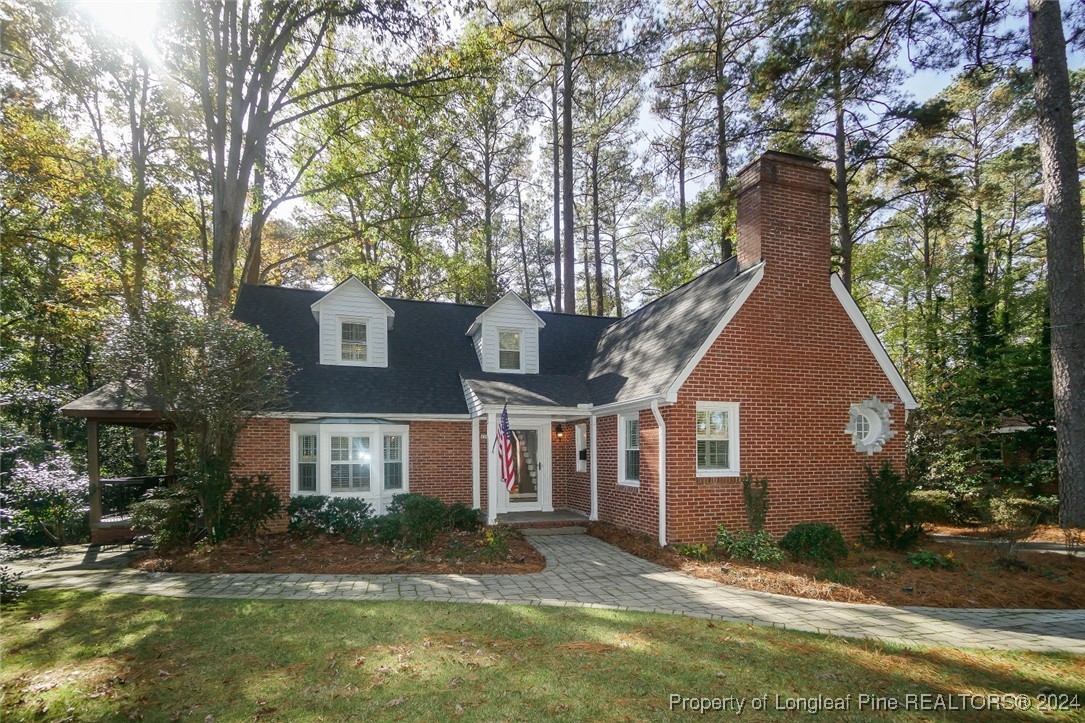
(783,217)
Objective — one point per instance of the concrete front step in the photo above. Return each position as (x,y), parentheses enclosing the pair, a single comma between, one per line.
(548,531)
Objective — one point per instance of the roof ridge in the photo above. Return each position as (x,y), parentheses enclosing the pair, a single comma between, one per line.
(678,288)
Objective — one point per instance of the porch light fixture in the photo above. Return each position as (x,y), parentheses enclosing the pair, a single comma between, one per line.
(560,431)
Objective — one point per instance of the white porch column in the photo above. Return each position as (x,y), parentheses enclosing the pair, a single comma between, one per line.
(491,469)
(476,473)
(662,474)
(594,473)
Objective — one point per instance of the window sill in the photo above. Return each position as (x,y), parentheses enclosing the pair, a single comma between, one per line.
(634,483)
(717,473)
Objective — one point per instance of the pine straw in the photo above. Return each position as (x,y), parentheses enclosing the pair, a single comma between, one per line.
(1052,581)
(286,554)
(1051,534)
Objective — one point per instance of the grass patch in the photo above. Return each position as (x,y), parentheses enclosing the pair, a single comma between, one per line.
(91,656)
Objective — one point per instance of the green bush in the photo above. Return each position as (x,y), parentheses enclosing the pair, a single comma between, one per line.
(931,560)
(253,503)
(934,506)
(495,543)
(834,574)
(44,503)
(464,517)
(894,521)
(170,515)
(755,493)
(386,529)
(322,515)
(815,541)
(742,545)
(305,513)
(694,552)
(1012,520)
(424,518)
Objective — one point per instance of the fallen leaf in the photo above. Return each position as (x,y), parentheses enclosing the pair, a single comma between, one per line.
(394,702)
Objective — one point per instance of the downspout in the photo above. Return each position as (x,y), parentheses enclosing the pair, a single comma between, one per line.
(594,504)
(662,473)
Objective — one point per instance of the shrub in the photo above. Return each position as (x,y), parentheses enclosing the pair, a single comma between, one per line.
(694,552)
(322,515)
(495,543)
(815,541)
(932,560)
(346,516)
(463,517)
(1012,520)
(934,506)
(252,505)
(424,518)
(893,516)
(742,545)
(834,574)
(387,529)
(755,493)
(169,514)
(305,513)
(48,498)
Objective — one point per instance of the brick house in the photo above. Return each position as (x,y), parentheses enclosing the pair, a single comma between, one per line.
(763,365)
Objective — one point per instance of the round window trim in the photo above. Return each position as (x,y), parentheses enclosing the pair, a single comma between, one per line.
(869,425)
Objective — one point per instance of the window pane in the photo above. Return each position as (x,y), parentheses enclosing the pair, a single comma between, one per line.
(307,477)
(359,477)
(393,475)
(713,424)
(632,464)
(713,454)
(509,359)
(354,341)
(702,424)
(340,449)
(508,341)
(307,447)
(632,434)
(340,477)
(393,448)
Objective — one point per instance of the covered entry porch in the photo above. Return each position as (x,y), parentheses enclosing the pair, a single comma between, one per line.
(110,498)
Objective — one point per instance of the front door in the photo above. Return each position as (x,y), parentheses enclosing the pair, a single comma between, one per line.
(531,468)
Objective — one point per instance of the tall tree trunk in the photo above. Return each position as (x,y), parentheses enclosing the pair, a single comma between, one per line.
(614,266)
(523,247)
(843,221)
(587,274)
(557,191)
(254,260)
(1065,257)
(567,162)
(599,301)
(488,231)
(722,171)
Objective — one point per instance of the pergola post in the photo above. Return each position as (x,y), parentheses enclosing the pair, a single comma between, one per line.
(171,453)
(94,473)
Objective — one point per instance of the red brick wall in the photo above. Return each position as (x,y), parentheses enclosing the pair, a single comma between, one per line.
(263,447)
(440,460)
(795,363)
(572,489)
(634,507)
(439,463)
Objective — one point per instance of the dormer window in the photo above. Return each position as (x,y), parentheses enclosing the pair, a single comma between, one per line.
(510,351)
(353,346)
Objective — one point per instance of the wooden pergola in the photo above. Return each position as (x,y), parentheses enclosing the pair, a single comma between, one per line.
(127,405)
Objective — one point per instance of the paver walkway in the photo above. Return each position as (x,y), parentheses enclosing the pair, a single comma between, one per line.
(583,571)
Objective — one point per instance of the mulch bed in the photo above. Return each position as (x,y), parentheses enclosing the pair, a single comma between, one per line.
(1050,534)
(453,552)
(1048,581)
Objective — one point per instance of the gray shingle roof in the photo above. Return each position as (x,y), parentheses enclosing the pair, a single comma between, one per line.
(534,390)
(643,354)
(428,349)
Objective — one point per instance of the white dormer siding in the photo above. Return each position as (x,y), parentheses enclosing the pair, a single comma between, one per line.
(353,303)
(511,315)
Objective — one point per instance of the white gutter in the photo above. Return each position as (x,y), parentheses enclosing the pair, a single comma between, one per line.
(594,504)
(662,473)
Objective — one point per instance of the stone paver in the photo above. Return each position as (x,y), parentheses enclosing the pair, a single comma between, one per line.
(584,571)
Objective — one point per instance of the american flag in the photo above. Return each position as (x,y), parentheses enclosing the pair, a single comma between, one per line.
(504,451)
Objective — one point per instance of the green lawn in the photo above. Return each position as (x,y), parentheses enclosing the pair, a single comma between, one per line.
(114,656)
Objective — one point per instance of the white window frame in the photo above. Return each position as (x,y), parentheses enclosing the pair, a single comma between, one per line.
(519,335)
(376,495)
(580,435)
(623,421)
(339,321)
(733,446)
